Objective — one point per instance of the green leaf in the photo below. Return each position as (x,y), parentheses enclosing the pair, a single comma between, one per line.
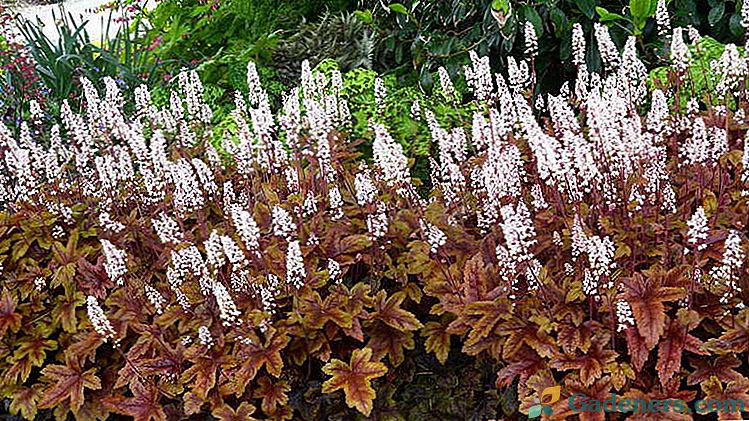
(606,16)
(716,13)
(501,6)
(559,20)
(587,7)
(734,24)
(642,9)
(364,15)
(533,17)
(398,8)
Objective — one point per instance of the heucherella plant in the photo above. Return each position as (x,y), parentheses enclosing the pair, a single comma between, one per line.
(598,245)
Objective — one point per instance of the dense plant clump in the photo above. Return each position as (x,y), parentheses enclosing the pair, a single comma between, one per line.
(593,239)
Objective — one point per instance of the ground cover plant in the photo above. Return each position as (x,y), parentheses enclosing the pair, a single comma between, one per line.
(594,239)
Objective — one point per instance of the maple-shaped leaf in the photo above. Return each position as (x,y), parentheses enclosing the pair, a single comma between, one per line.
(520,332)
(201,375)
(67,382)
(33,350)
(24,401)
(384,340)
(733,397)
(522,369)
(143,406)
(242,413)
(620,372)
(354,379)
(273,393)
(438,340)
(256,356)
(317,311)
(590,365)
(482,317)
(283,413)
(572,337)
(722,368)
(735,339)
(9,319)
(389,311)
(646,297)
(64,311)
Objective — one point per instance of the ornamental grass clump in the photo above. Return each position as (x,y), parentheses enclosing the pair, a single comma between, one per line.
(594,239)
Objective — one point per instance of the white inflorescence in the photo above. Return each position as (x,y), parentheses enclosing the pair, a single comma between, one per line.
(204,336)
(167,229)
(624,315)
(730,269)
(389,157)
(698,229)
(283,223)
(606,47)
(246,226)
(295,272)
(228,311)
(334,271)
(434,236)
(106,221)
(98,319)
(447,89)
(115,261)
(531,40)
(155,298)
(680,55)
(661,18)
(336,203)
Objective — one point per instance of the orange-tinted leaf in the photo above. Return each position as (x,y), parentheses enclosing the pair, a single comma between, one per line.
(67,382)
(638,350)
(9,319)
(735,339)
(318,312)
(590,365)
(272,392)
(385,340)
(389,311)
(670,350)
(242,413)
(438,340)
(34,350)
(354,379)
(255,356)
(646,297)
(24,402)
(734,394)
(143,406)
(722,368)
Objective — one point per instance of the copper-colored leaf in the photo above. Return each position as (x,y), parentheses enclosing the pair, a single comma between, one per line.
(438,340)
(242,413)
(722,368)
(317,311)
(67,382)
(733,397)
(9,319)
(24,402)
(354,379)
(272,392)
(646,297)
(389,311)
(143,406)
